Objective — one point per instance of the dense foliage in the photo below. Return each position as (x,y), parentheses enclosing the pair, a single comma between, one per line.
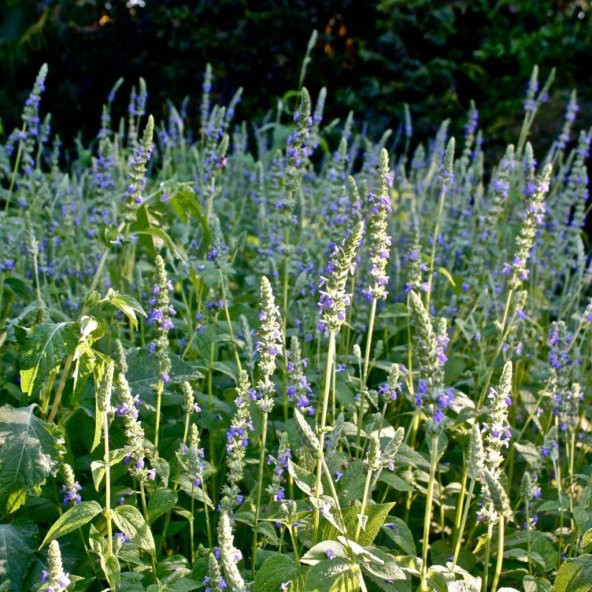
(434,55)
(306,366)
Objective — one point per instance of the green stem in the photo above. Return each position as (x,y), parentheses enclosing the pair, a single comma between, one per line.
(107,464)
(428,513)
(366,368)
(159,391)
(326,390)
(463,523)
(364,503)
(500,554)
(487,555)
(259,488)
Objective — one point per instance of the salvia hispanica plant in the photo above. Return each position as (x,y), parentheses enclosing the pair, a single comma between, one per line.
(287,356)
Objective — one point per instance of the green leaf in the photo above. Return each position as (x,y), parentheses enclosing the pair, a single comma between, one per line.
(587,538)
(305,480)
(132,523)
(333,575)
(161,501)
(159,235)
(26,451)
(143,372)
(575,575)
(74,518)
(397,530)
(126,304)
(42,350)
(319,552)
(16,549)
(376,513)
(530,453)
(277,570)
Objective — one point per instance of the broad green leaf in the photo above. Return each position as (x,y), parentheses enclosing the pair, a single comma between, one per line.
(143,372)
(132,523)
(26,451)
(532,584)
(530,453)
(322,550)
(575,575)
(305,480)
(376,513)
(332,575)
(587,538)
(73,518)
(16,549)
(160,236)
(385,571)
(277,570)
(42,350)
(161,501)
(397,530)
(126,304)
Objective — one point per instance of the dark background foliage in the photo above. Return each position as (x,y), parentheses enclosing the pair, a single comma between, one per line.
(373,56)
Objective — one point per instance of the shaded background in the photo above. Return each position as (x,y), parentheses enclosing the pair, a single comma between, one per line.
(372,55)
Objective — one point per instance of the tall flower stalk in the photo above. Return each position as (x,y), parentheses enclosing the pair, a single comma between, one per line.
(379,247)
(333,302)
(269,346)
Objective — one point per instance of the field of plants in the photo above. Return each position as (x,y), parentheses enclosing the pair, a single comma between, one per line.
(285,355)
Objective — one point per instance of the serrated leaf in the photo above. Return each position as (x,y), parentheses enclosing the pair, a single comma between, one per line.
(16,549)
(276,571)
(334,575)
(42,350)
(575,575)
(161,501)
(143,372)
(398,531)
(73,518)
(132,523)
(376,514)
(529,452)
(321,551)
(304,480)
(126,304)
(26,451)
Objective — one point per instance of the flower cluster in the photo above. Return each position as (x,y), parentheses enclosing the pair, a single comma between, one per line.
(378,237)
(214,582)
(570,117)
(160,316)
(269,345)
(71,488)
(497,435)
(533,218)
(137,164)
(237,441)
(333,299)
(135,451)
(298,390)
(192,458)
(229,554)
(298,150)
(391,389)
(280,464)
(431,347)
(54,579)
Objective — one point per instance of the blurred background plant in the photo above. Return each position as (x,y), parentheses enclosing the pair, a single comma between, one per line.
(374,55)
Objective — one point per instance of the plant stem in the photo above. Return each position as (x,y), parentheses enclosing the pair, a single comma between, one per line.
(364,503)
(428,513)
(259,487)
(107,462)
(500,554)
(463,523)
(366,368)
(326,390)
(159,391)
